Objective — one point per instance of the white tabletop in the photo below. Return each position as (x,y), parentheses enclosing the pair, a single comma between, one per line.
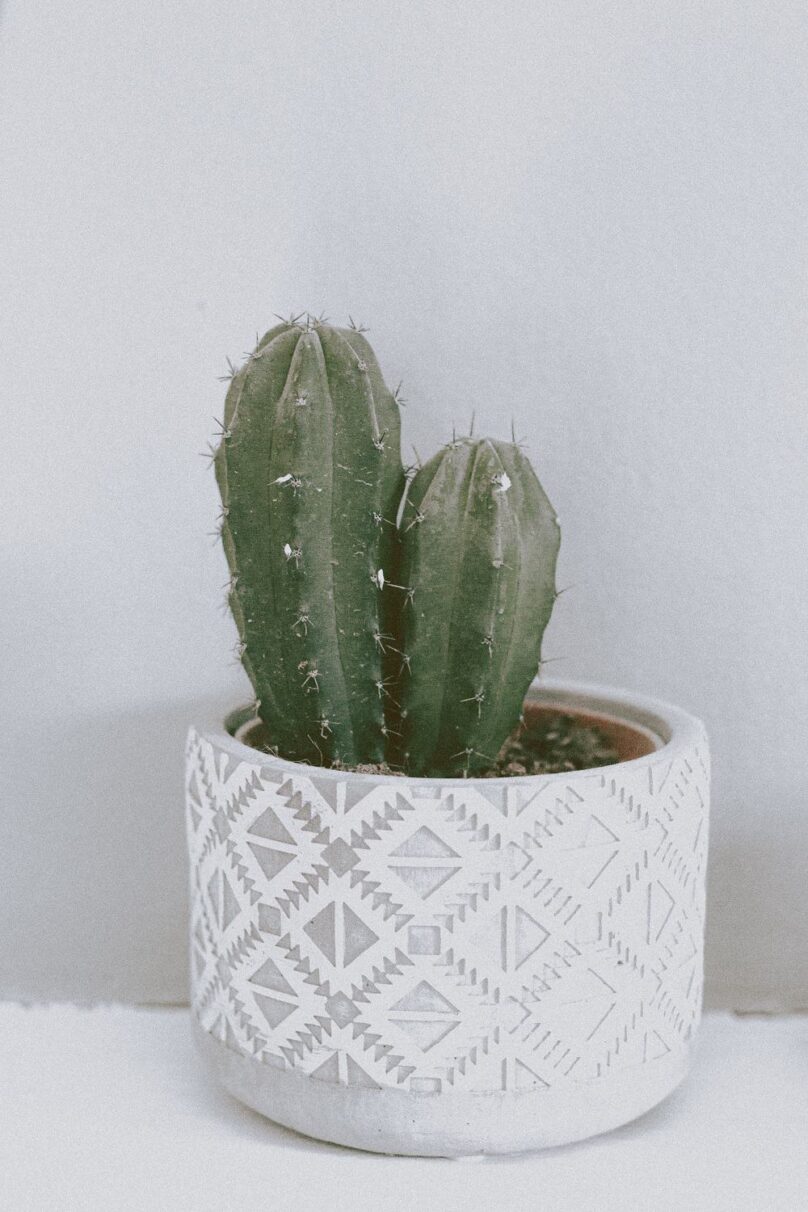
(108,1109)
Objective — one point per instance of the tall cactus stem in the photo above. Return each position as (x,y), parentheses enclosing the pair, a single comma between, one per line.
(308,453)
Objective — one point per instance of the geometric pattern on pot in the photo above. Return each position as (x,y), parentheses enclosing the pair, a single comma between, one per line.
(479,936)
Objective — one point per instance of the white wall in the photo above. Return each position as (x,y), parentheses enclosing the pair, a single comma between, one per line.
(590,216)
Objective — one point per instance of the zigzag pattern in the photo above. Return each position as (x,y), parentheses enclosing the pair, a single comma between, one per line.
(381,822)
(424,938)
(301,964)
(383,901)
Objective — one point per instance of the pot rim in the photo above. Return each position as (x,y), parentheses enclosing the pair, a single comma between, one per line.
(668,726)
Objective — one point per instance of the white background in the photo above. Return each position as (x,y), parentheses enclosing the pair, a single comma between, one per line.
(587,216)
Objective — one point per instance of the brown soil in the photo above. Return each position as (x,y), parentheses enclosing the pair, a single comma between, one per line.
(548,741)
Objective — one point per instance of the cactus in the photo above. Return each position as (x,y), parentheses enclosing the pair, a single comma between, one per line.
(479,541)
(309,470)
(368,641)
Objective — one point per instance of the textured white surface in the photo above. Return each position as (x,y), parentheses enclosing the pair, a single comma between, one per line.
(108,1110)
(438,939)
(590,216)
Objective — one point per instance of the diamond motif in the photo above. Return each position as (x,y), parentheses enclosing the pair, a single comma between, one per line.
(356,936)
(470,937)
(340,857)
(341,1009)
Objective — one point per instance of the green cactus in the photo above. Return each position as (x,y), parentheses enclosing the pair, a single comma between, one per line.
(310,476)
(479,541)
(367,642)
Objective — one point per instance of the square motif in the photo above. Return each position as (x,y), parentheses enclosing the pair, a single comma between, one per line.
(423,940)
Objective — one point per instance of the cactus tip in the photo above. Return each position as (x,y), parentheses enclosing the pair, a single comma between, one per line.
(313,321)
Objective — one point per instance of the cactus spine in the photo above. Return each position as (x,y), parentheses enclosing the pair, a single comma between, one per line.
(479,541)
(310,476)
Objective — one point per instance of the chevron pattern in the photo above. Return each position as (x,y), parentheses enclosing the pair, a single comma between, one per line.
(482,936)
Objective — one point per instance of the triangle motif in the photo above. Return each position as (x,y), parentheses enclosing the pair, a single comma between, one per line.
(526,1079)
(424,843)
(426,1034)
(214,885)
(355,792)
(656,1047)
(230,906)
(270,861)
(425,997)
(358,936)
(425,880)
(322,932)
(269,976)
(584,865)
(268,826)
(598,834)
(273,1010)
(328,1071)
(660,907)
(328,789)
(356,1076)
(529,936)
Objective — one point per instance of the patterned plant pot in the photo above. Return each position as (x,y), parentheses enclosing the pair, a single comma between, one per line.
(441,967)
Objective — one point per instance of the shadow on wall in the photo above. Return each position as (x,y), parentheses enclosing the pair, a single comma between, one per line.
(747,895)
(92,864)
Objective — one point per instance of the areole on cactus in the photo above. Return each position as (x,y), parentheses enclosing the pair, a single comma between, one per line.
(374,633)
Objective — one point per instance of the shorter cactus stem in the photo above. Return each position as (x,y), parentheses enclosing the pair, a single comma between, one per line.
(478,541)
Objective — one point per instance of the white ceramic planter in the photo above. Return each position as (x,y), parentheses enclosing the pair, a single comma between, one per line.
(441,967)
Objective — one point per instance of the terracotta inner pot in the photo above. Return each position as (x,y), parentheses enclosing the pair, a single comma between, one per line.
(629,741)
